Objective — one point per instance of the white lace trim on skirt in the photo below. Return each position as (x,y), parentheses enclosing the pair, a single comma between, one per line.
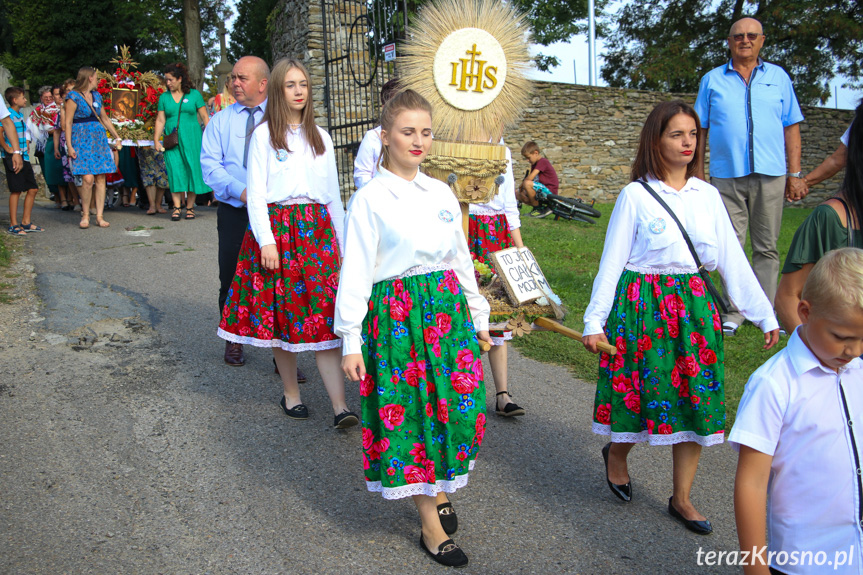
(482,211)
(505,337)
(287,346)
(420,488)
(658,439)
(661,271)
(296,201)
(420,270)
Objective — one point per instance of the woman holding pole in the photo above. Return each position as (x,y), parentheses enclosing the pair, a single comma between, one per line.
(665,386)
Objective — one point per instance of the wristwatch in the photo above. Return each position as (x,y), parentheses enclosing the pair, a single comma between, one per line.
(20,152)
(794,174)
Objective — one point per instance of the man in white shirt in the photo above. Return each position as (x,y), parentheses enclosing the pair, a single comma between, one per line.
(12,136)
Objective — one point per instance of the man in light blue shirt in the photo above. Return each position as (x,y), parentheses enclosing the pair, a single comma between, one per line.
(749,109)
(224,153)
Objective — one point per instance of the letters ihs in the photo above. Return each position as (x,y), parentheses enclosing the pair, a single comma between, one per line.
(466,82)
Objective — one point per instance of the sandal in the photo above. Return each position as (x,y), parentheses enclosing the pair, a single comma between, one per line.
(190,213)
(31,227)
(85,223)
(16,231)
(510,409)
(175,214)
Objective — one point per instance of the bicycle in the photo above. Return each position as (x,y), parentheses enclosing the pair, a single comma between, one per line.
(567,208)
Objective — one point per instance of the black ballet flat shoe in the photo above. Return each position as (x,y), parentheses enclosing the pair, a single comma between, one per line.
(700,527)
(624,492)
(296,412)
(449,554)
(448,518)
(345,420)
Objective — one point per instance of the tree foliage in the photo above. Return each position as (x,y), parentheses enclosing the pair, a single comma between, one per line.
(247,38)
(46,41)
(668,45)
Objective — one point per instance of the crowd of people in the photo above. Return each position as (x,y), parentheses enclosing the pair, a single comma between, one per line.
(386,293)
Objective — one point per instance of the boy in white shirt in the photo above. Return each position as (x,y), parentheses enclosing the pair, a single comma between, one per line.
(796,433)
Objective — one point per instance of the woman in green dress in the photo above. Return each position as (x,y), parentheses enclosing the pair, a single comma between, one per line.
(183,161)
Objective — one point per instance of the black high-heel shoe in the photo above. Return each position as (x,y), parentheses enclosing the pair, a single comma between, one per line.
(624,492)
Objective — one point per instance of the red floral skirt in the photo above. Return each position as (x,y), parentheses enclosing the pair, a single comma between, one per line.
(489,234)
(291,307)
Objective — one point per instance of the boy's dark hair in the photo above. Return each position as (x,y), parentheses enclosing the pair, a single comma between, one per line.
(529,148)
(12,92)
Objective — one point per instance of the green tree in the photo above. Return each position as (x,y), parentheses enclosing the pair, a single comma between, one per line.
(46,41)
(668,45)
(246,36)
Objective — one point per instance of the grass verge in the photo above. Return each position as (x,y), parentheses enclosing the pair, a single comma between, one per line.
(5,260)
(569,254)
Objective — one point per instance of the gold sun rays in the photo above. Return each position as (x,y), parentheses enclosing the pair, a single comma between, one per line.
(435,23)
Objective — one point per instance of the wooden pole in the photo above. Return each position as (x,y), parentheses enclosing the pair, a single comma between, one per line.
(552,325)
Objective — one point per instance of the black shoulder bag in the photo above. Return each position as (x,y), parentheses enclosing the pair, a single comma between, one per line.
(705,275)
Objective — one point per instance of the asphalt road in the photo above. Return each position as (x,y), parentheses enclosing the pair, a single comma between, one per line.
(130,447)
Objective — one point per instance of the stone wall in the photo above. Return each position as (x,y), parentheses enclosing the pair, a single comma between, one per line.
(590,135)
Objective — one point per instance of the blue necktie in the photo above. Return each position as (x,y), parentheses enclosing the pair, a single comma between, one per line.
(250,125)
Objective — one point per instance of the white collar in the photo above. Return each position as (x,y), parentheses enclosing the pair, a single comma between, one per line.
(804,360)
(397,185)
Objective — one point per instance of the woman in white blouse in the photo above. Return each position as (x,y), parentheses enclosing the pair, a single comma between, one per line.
(409,313)
(665,386)
(284,289)
(495,226)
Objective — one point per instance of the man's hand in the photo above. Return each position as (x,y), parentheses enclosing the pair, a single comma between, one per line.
(243,196)
(795,189)
(17,163)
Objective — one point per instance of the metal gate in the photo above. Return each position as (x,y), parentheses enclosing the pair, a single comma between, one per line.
(355,33)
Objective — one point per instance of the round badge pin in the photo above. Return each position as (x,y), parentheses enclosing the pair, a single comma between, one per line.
(185,100)
(657,226)
(282,155)
(445,215)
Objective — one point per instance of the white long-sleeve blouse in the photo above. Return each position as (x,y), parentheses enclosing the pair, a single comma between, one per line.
(504,202)
(298,176)
(641,236)
(393,226)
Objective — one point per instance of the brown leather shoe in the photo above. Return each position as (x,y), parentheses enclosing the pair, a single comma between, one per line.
(234,354)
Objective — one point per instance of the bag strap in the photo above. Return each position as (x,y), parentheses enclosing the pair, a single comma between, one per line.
(179,110)
(93,110)
(662,203)
(847,221)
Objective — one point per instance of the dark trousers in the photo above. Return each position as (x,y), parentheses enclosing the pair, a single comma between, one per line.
(231,224)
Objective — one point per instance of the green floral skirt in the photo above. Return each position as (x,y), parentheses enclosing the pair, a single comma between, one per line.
(665,385)
(423,397)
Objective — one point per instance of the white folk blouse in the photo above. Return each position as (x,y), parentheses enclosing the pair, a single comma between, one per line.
(395,228)
(295,177)
(504,202)
(642,237)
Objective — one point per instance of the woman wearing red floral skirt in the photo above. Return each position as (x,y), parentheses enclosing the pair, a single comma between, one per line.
(409,313)
(492,227)
(285,286)
(665,386)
